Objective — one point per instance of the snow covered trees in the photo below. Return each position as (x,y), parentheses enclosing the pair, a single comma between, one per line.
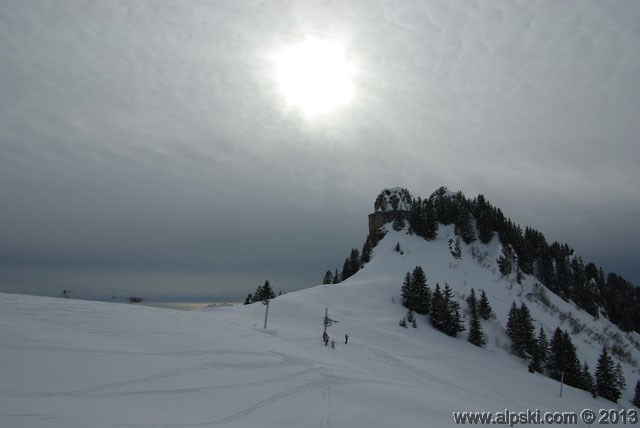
(351,265)
(636,397)
(416,294)
(563,358)
(442,308)
(476,335)
(262,293)
(484,308)
(540,352)
(445,311)
(608,382)
(525,251)
(521,330)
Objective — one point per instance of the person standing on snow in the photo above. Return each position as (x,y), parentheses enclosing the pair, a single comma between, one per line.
(346,338)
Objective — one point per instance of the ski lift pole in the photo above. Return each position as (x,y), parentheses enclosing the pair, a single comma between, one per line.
(327,321)
(266,312)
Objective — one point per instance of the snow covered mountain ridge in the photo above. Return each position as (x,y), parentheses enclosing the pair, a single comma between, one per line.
(549,282)
(556,266)
(77,364)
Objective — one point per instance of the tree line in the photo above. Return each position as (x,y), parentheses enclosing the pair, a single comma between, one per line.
(527,251)
(262,293)
(441,308)
(555,265)
(558,359)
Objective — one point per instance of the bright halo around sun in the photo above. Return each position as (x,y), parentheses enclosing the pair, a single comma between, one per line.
(315,76)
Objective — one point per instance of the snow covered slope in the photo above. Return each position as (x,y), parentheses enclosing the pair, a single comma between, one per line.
(67,363)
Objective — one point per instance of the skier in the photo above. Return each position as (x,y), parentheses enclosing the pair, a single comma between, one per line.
(333,344)
(326,338)
(346,338)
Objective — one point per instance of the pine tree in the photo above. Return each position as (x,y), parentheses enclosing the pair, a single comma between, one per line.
(512,321)
(472,302)
(463,226)
(268,291)
(527,330)
(430,222)
(336,277)
(636,397)
(587,380)
(248,300)
(457,326)
(328,278)
(257,295)
(416,295)
(621,382)
(263,293)
(520,329)
(438,309)
(366,252)
(563,358)
(606,382)
(407,293)
(475,336)
(539,352)
(417,218)
(354,261)
(421,290)
(452,321)
(346,270)
(542,346)
(484,308)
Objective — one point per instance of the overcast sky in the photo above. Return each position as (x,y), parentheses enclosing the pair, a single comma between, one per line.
(146,147)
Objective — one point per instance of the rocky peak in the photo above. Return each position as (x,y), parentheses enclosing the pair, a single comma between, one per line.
(393,199)
(390,204)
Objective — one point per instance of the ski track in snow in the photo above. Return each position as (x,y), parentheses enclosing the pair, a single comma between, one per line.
(306,386)
(325,421)
(94,391)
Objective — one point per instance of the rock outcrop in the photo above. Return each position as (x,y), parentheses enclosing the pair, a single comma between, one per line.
(390,204)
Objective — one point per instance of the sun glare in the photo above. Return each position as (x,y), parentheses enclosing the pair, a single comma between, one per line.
(315,76)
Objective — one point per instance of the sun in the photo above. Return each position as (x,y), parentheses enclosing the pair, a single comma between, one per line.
(315,76)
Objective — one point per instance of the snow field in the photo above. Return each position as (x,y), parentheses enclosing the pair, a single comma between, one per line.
(68,363)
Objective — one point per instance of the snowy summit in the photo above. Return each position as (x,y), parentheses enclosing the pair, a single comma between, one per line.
(393,199)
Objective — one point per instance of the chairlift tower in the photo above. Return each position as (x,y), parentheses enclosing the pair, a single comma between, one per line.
(327,321)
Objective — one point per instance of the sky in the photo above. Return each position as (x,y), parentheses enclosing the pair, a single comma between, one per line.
(149,148)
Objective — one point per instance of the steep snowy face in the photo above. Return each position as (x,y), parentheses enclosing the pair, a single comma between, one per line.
(393,199)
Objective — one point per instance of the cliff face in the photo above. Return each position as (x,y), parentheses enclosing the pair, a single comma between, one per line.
(380,218)
(389,205)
